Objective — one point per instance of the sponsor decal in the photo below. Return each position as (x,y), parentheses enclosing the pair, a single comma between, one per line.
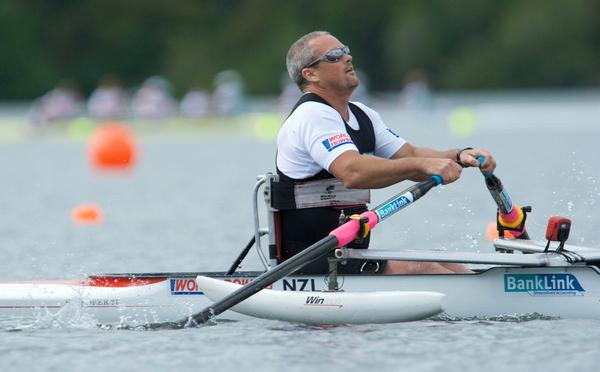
(184,286)
(101,302)
(543,284)
(240,281)
(336,141)
(189,287)
(299,285)
(393,206)
(321,301)
(394,133)
(314,300)
(244,281)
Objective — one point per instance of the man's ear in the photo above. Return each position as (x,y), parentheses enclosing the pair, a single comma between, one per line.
(310,75)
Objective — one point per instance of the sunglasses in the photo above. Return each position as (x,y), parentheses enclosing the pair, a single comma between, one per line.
(332,56)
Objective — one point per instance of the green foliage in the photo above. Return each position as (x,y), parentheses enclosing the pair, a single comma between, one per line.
(461,44)
(22,71)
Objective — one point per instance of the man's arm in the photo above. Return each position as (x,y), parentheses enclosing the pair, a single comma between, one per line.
(409,163)
(468,157)
(410,151)
(371,172)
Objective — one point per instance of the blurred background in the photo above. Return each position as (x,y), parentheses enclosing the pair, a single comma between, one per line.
(194,93)
(190,58)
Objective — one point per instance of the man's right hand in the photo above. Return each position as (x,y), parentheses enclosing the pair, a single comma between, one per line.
(448,169)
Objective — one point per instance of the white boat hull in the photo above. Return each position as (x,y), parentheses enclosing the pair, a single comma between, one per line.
(65,300)
(329,307)
(571,292)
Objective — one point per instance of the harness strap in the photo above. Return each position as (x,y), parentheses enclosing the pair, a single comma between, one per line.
(313,194)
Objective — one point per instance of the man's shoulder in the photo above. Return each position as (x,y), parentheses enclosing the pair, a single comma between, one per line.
(311,111)
(313,107)
(363,107)
(371,113)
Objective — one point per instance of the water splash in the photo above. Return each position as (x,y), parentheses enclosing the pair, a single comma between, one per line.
(71,315)
(508,318)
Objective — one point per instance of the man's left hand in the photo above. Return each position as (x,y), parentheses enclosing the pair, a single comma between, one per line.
(469,158)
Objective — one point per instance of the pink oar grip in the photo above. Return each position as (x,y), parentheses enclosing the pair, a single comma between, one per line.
(347,232)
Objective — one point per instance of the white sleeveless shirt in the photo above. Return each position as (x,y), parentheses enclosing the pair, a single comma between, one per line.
(314,135)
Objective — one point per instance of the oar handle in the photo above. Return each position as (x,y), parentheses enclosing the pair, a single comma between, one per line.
(348,231)
(510,216)
(499,194)
(481,160)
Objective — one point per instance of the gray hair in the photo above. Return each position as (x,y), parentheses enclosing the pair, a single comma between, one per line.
(300,55)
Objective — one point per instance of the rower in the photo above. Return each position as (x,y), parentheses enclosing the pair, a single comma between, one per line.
(343,148)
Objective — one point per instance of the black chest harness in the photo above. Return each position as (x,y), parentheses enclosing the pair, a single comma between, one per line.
(308,209)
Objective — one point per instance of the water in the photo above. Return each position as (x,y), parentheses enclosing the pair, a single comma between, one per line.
(187,207)
(272,346)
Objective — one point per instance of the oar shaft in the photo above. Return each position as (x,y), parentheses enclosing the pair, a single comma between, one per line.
(241,256)
(499,194)
(405,198)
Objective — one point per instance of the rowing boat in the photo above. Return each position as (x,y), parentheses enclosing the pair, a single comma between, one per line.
(520,276)
(564,290)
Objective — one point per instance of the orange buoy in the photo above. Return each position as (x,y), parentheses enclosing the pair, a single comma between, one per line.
(86,214)
(491,232)
(112,146)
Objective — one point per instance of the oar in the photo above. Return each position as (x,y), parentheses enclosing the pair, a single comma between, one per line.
(241,256)
(510,216)
(339,237)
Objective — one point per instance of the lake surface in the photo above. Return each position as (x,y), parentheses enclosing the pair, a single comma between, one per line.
(187,207)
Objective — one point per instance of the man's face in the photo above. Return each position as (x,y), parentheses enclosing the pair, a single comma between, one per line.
(338,75)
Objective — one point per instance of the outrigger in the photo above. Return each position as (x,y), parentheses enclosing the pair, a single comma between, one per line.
(523,277)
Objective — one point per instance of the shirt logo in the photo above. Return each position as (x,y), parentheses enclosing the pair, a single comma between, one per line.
(336,141)
(394,133)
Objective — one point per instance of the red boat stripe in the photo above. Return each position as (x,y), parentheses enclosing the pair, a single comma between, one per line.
(122,281)
(98,281)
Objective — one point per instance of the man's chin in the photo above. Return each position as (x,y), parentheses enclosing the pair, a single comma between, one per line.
(353,82)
